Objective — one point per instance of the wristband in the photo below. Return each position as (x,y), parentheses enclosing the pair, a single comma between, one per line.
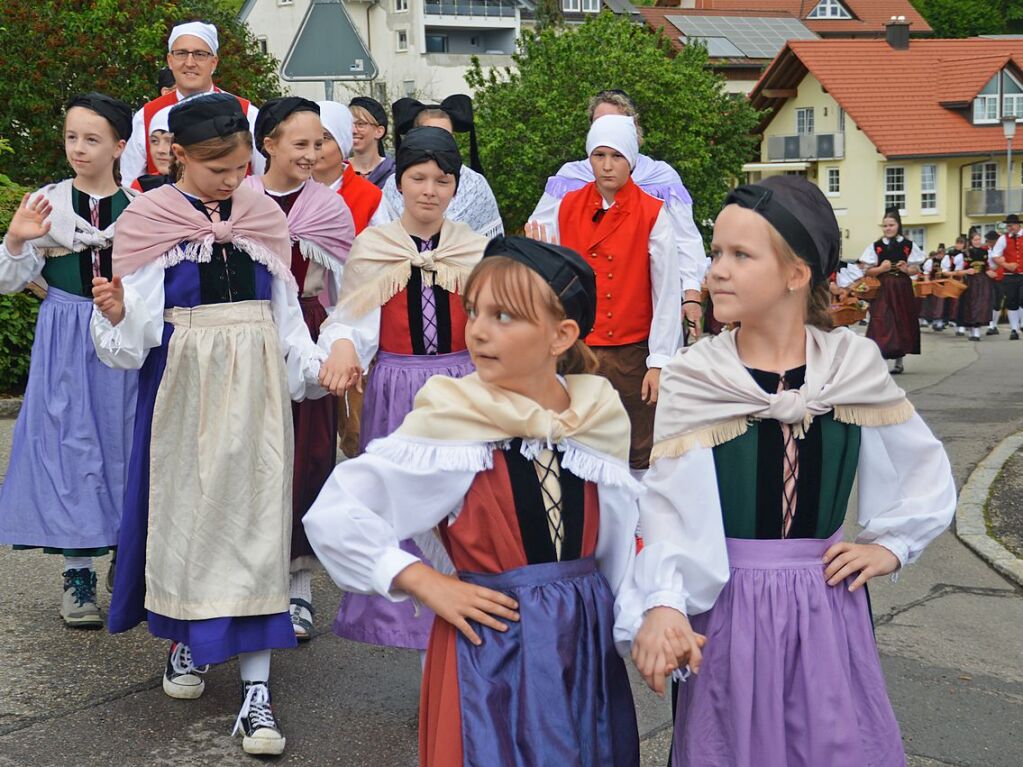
(692,301)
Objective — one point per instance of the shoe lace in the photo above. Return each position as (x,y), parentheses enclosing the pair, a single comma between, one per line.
(83,587)
(181,661)
(255,707)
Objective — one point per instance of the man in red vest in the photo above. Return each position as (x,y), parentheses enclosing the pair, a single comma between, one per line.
(192,58)
(626,235)
(1007,255)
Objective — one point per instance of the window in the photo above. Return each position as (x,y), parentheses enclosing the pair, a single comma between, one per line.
(400,6)
(929,188)
(804,120)
(1003,95)
(1012,96)
(841,120)
(285,2)
(916,234)
(894,188)
(984,175)
(261,42)
(570,6)
(409,86)
(591,6)
(829,9)
(834,181)
(401,45)
(436,43)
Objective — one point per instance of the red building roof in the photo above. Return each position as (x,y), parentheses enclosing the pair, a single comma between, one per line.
(868,16)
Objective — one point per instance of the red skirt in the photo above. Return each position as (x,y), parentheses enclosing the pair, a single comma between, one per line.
(893,317)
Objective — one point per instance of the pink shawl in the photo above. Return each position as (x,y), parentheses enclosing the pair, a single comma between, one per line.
(319,222)
(162,224)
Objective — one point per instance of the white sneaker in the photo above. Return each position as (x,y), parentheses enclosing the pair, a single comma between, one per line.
(262,734)
(78,605)
(183,679)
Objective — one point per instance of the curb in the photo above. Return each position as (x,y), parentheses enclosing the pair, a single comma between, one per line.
(10,407)
(970,526)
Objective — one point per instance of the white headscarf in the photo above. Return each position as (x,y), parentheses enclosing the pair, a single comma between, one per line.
(337,119)
(160,120)
(205,32)
(616,132)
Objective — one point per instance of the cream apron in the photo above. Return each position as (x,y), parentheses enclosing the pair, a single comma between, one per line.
(221,461)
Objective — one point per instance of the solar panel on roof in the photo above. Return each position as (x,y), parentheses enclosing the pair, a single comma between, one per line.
(719,47)
(754,37)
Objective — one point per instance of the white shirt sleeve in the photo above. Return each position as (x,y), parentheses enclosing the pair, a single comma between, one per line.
(916,256)
(302,357)
(907,494)
(133,158)
(869,256)
(367,506)
(18,271)
(665,292)
(684,562)
(616,556)
(363,332)
(999,247)
(258,162)
(126,345)
(547,214)
(848,274)
(946,263)
(690,244)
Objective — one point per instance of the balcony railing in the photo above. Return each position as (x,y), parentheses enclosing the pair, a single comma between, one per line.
(992,202)
(806,146)
(490,8)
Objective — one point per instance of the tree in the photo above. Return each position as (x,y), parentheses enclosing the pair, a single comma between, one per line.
(54,49)
(963,18)
(532,119)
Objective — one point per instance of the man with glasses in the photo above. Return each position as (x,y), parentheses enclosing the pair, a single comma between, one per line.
(192,58)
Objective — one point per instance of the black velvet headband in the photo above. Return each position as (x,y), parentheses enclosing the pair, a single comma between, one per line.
(114,111)
(457,107)
(276,111)
(204,117)
(569,276)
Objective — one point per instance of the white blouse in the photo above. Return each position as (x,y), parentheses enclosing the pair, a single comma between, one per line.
(18,271)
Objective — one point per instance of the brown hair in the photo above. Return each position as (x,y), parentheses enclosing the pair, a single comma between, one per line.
(620,100)
(113,132)
(818,298)
(432,113)
(210,149)
(522,293)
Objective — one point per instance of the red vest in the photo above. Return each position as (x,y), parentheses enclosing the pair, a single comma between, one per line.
(361,196)
(151,108)
(396,329)
(1013,254)
(617,247)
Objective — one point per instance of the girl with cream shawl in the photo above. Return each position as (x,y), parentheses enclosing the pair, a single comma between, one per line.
(759,436)
(204,302)
(65,481)
(401,309)
(522,476)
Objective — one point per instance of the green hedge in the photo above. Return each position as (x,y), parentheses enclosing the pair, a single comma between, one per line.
(17,313)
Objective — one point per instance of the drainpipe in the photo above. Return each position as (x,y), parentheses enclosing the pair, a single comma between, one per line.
(369,30)
(964,165)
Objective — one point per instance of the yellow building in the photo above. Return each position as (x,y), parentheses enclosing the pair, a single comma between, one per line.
(885,123)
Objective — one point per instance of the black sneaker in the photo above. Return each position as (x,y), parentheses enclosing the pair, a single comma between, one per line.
(302,614)
(1013,335)
(262,734)
(78,605)
(992,332)
(182,679)
(898,369)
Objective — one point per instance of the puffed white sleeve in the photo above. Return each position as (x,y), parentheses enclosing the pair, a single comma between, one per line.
(684,562)
(916,256)
(258,162)
(869,256)
(126,345)
(367,506)
(302,356)
(665,292)
(363,332)
(848,274)
(616,558)
(548,216)
(133,158)
(907,495)
(18,271)
(692,258)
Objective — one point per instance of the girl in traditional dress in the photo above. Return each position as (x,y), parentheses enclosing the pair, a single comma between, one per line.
(766,428)
(401,308)
(975,304)
(369,127)
(893,313)
(290,136)
(65,482)
(204,302)
(523,475)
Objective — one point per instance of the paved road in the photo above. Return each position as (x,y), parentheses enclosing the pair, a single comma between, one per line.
(950,633)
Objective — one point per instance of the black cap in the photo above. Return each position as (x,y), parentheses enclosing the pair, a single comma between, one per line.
(276,111)
(801,214)
(569,276)
(425,144)
(204,117)
(114,111)
(991,236)
(1012,218)
(376,109)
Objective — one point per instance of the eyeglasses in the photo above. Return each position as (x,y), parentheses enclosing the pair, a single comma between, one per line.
(181,54)
(362,125)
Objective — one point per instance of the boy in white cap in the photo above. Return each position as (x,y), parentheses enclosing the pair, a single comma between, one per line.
(626,235)
(192,57)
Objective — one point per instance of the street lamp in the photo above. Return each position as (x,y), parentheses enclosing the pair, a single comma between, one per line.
(1009,129)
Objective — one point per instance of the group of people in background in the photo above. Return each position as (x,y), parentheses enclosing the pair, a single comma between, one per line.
(233,290)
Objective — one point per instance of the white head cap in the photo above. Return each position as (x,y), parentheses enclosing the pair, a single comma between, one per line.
(337,120)
(616,132)
(205,32)
(159,121)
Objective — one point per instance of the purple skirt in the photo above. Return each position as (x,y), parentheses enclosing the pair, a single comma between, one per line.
(64,487)
(394,381)
(791,676)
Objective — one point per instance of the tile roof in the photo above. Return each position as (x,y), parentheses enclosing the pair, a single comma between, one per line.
(900,99)
(869,16)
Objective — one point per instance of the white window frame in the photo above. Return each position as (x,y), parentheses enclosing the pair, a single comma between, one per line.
(893,192)
(929,191)
(570,6)
(829,9)
(841,120)
(401,6)
(984,175)
(910,231)
(591,6)
(988,108)
(264,45)
(398,46)
(833,182)
(806,117)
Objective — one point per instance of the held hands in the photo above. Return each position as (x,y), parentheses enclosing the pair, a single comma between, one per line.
(651,386)
(29,223)
(534,230)
(665,642)
(692,318)
(868,559)
(341,370)
(109,298)
(457,602)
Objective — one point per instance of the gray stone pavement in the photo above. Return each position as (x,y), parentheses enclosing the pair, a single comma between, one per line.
(950,634)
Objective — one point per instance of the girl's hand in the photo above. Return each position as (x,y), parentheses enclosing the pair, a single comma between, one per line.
(651,386)
(109,298)
(992,273)
(885,265)
(29,223)
(868,559)
(665,642)
(457,602)
(341,370)
(534,230)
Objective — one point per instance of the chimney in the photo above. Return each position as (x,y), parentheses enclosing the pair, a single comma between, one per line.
(897,33)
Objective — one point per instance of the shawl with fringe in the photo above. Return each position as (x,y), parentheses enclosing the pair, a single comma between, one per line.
(708,397)
(69,232)
(163,224)
(320,222)
(382,258)
(655,177)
